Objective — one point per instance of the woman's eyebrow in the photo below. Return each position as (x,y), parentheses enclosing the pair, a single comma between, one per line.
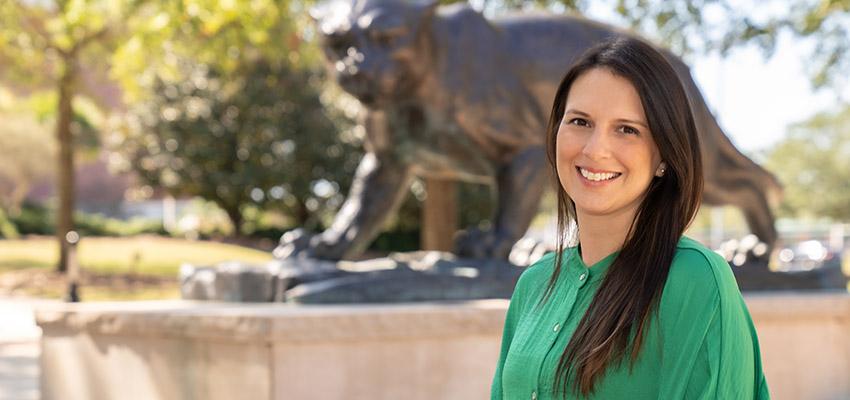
(631,121)
(574,111)
(620,120)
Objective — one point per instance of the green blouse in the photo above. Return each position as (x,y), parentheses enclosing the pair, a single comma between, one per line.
(702,345)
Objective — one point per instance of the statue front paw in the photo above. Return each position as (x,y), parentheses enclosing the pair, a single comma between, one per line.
(294,243)
(299,243)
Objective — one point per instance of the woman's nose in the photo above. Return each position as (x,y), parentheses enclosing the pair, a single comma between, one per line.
(596,147)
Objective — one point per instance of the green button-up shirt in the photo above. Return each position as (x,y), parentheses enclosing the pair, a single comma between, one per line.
(702,345)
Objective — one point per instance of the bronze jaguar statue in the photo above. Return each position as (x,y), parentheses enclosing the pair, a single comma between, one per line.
(450,94)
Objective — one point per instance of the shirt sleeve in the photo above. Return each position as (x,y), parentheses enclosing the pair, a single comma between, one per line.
(709,348)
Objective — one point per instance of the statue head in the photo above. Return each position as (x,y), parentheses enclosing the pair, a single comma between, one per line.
(376,49)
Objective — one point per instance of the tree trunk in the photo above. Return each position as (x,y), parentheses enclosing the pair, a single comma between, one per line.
(302,215)
(235,218)
(439,215)
(65,165)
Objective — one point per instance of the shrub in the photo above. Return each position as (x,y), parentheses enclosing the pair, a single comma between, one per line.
(34,219)
(7,228)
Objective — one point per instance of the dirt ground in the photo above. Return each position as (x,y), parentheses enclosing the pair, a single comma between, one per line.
(52,284)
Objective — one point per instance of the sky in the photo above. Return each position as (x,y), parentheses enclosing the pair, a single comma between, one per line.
(756,99)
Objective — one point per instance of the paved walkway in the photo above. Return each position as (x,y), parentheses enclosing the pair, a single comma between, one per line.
(19,348)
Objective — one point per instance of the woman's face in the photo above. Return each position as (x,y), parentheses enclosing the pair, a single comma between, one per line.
(606,157)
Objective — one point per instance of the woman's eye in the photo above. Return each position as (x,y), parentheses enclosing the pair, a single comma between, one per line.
(630,130)
(579,122)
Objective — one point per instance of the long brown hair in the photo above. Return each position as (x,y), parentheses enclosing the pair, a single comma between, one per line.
(616,322)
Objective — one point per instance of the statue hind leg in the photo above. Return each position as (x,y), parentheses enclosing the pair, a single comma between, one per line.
(740,189)
(520,186)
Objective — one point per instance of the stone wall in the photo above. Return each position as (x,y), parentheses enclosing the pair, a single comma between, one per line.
(205,350)
(805,343)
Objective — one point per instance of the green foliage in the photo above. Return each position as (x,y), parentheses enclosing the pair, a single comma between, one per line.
(222,33)
(7,228)
(41,40)
(812,165)
(100,225)
(258,136)
(37,219)
(34,219)
(86,120)
(27,152)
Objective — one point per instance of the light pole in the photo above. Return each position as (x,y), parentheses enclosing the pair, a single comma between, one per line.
(71,240)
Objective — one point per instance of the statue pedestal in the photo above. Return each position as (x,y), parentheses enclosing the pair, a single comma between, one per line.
(213,350)
(207,350)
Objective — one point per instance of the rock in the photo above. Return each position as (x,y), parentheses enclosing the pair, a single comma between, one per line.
(228,281)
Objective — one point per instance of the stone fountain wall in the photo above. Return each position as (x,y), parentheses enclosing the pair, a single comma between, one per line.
(211,350)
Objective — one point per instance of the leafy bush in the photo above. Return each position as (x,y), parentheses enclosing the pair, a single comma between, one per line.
(100,225)
(34,219)
(37,219)
(7,228)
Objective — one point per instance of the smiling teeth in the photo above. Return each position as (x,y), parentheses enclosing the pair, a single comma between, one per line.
(598,176)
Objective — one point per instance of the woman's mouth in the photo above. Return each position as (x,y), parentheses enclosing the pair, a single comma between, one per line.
(597,176)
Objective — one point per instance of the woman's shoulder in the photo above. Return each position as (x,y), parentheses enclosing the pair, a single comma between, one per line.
(541,268)
(695,268)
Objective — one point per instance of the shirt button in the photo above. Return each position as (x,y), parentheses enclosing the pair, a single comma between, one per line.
(534,395)
(557,326)
(581,278)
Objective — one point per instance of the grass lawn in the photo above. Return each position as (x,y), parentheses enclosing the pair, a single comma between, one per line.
(147,255)
(130,268)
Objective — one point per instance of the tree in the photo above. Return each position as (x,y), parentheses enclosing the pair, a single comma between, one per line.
(28,152)
(44,44)
(811,162)
(246,65)
(257,136)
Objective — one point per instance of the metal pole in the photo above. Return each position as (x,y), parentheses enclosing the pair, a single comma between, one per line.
(71,240)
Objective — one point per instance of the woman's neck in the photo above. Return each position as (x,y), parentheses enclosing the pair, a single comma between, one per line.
(602,235)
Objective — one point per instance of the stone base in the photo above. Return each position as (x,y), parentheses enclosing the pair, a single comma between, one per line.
(210,350)
(401,277)
(207,350)
(428,276)
(755,275)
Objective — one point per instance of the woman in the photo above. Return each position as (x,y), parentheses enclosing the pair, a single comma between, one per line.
(634,310)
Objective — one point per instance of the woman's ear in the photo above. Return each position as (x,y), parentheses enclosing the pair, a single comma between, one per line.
(662,168)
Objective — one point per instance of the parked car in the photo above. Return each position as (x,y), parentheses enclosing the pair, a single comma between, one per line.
(804,256)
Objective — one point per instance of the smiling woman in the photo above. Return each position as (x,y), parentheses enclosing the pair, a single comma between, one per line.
(632,309)
(606,156)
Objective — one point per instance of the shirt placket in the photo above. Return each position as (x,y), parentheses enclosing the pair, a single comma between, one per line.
(558,311)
